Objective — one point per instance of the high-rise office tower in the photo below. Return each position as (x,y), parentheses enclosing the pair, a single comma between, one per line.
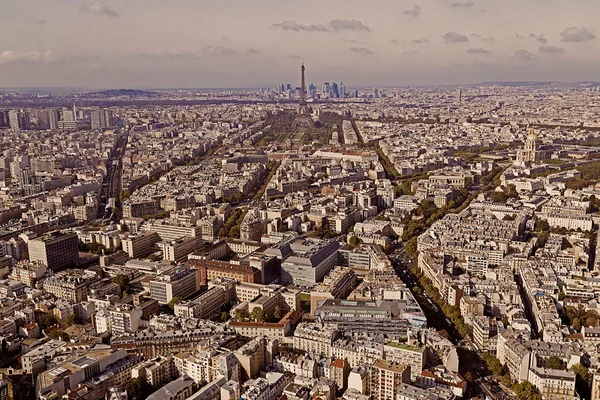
(4,122)
(48,119)
(325,89)
(109,118)
(342,90)
(101,119)
(459,95)
(376,93)
(13,120)
(19,120)
(24,176)
(335,90)
(24,120)
(67,115)
(97,119)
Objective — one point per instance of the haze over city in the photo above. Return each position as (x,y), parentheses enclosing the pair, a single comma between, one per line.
(299,200)
(235,43)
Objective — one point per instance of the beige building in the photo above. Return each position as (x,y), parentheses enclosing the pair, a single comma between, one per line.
(178,250)
(386,378)
(314,338)
(139,209)
(28,273)
(412,356)
(68,287)
(173,232)
(204,306)
(596,386)
(254,355)
(174,282)
(179,389)
(157,371)
(338,284)
(55,250)
(553,384)
(140,245)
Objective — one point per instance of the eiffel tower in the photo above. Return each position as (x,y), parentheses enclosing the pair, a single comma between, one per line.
(303,119)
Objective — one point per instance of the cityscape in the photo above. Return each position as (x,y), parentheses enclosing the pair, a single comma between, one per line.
(316,239)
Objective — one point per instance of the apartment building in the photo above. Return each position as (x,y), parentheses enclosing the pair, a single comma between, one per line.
(140,245)
(68,287)
(168,231)
(553,384)
(157,371)
(55,250)
(412,356)
(315,338)
(171,282)
(178,250)
(338,284)
(180,389)
(386,379)
(205,305)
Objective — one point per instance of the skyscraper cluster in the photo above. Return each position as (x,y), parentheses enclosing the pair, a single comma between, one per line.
(328,91)
(101,119)
(67,118)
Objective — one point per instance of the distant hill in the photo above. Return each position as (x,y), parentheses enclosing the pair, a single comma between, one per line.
(518,83)
(122,93)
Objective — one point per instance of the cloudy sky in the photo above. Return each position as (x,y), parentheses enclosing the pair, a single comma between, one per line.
(250,43)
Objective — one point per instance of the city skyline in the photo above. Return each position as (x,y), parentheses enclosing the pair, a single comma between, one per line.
(105,44)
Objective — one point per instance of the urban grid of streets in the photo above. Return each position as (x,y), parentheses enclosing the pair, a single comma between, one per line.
(296,243)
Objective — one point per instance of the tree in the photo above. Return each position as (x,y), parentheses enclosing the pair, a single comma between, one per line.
(257,314)
(121,280)
(241,314)
(73,319)
(542,226)
(526,391)
(492,363)
(511,191)
(173,301)
(498,197)
(277,313)
(542,238)
(224,316)
(582,376)
(576,324)
(443,333)
(57,334)
(234,232)
(554,362)
(417,290)
(48,320)
(353,241)
(138,389)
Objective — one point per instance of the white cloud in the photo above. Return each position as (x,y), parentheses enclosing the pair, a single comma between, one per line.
(8,57)
(455,37)
(574,34)
(524,55)
(97,7)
